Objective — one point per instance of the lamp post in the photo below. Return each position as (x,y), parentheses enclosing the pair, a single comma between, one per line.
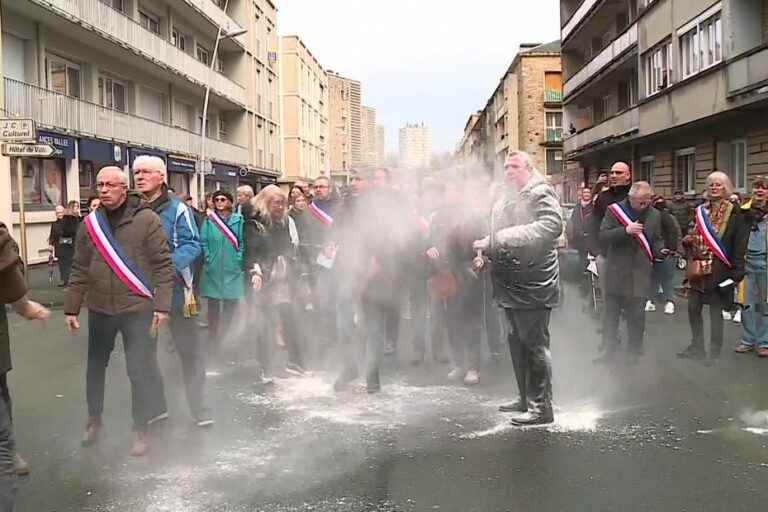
(219,36)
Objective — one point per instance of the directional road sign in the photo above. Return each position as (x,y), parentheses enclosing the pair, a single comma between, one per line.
(29,150)
(17,130)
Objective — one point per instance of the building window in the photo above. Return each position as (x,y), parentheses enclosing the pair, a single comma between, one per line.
(685,170)
(149,22)
(117,5)
(219,63)
(554,122)
(43,183)
(112,94)
(658,68)
(179,40)
(737,166)
(63,76)
(701,46)
(223,131)
(554,162)
(553,87)
(179,182)
(203,55)
(646,169)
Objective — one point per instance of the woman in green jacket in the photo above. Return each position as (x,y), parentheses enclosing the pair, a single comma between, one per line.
(224,252)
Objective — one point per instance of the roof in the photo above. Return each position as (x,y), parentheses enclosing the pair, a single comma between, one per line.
(546,48)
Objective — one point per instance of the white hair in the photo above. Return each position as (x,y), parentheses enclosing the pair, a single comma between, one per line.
(152,161)
(246,189)
(525,157)
(123,175)
(727,183)
(639,187)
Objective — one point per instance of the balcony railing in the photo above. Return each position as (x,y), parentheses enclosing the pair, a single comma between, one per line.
(554,135)
(747,72)
(218,16)
(579,15)
(58,111)
(551,96)
(615,126)
(114,25)
(609,54)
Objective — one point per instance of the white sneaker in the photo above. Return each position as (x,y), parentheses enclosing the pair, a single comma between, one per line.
(471,378)
(737,316)
(455,374)
(726,315)
(669,309)
(650,307)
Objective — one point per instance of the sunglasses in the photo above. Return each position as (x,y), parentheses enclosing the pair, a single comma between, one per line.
(220,199)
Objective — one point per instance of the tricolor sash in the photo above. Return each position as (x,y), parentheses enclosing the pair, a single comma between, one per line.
(217,221)
(624,218)
(109,248)
(320,214)
(710,236)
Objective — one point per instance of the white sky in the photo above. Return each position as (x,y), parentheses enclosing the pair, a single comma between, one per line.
(420,60)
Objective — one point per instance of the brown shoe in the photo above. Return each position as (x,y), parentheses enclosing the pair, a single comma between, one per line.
(22,466)
(92,428)
(140,445)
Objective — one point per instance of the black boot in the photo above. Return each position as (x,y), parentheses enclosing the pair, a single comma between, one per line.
(517,406)
(541,416)
(373,385)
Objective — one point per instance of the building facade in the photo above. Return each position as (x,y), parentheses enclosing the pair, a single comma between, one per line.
(345,124)
(415,146)
(523,113)
(304,95)
(381,144)
(110,80)
(368,120)
(676,88)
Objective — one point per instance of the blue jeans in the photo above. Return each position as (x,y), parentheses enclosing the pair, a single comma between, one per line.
(664,277)
(8,480)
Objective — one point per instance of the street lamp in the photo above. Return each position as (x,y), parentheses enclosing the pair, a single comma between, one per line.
(219,36)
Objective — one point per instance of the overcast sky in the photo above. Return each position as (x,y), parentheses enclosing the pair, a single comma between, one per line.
(420,60)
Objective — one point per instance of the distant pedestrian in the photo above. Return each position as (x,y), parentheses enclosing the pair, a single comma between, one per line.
(715,247)
(244,196)
(664,266)
(123,272)
(61,241)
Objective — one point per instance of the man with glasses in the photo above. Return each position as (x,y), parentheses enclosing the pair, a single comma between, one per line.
(123,272)
(150,175)
(631,233)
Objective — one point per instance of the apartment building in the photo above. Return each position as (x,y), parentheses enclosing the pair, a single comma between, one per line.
(415,146)
(345,124)
(381,144)
(524,112)
(677,88)
(304,95)
(108,80)
(368,142)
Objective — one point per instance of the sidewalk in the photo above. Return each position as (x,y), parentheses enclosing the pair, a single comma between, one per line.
(41,290)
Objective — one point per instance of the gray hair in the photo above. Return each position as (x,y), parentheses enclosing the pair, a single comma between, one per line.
(727,183)
(264,198)
(246,189)
(120,172)
(152,161)
(640,187)
(525,157)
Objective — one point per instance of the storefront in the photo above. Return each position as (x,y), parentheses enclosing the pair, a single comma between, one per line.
(92,155)
(224,177)
(44,178)
(181,170)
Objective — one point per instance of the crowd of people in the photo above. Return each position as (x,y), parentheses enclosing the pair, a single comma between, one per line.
(314,269)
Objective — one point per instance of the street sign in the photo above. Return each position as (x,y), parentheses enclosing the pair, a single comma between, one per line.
(207,166)
(29,150)
(17,130)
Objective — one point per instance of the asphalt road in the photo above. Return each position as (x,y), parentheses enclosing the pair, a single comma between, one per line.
(665,435)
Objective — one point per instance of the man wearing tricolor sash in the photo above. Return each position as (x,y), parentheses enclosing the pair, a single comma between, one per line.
(631,234)
(150,176)
(123,271)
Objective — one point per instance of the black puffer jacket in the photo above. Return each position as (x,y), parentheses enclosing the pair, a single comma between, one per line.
(524,229)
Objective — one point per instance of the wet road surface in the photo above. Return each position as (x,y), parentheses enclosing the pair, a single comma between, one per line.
(665,435)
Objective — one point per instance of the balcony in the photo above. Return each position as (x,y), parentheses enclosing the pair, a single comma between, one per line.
(213,12)
(53,110)
(617,126)
(748,71)
(551,96)
(577,17)
(126,32)
(610,53)
(554,135)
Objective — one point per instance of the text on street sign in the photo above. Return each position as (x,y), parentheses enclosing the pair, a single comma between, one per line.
(29,150)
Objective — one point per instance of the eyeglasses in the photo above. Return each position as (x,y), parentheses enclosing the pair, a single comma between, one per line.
(109,185)
(220,199)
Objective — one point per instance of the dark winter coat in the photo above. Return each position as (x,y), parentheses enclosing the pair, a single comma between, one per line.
(524,229)
(140,233)
(63,234)
(579,227)
(602,202)
(12,288)
(627,271)
(682,212)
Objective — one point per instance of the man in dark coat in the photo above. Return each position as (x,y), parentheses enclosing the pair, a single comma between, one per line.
(680,210)
(619,181)
(525,225)
(13,290)
(628,271)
